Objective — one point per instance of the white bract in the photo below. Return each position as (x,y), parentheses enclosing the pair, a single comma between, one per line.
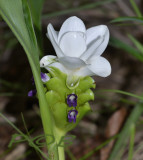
(78,50)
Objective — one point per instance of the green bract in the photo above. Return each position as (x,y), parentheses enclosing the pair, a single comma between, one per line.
(57,91)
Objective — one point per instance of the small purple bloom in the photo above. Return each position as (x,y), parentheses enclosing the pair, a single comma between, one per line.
(32,93)
(72,100)
(72,115)
(44,77)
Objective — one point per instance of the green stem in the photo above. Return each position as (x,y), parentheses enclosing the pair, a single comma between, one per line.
(59,137)
(61,152)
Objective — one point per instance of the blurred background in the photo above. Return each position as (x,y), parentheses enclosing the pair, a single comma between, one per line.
(110,110)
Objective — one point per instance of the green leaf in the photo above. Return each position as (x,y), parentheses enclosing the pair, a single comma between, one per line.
(136,9)
(136,43)
(17,15)
(27,138)
(76,9)
(124,19)
(132,139)
(121,92)
(134,116)
(36,7)
(126,47)
(12,13)
(94,150)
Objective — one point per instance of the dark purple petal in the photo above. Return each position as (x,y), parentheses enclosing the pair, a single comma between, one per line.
(32,93)
(44,77)
(72,115)
(72,100)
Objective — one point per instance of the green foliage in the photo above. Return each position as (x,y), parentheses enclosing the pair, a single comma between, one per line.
(132,138)
(121,92)
(98,148)
(24,136)
(136,9)
(76,9)
(126,47)
(36,10)
(138,45)
(121,141)
(17,15)
(124,19)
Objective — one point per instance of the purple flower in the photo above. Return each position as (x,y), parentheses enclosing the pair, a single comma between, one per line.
(72,100)
(72,115)
(32,93)
(44,77)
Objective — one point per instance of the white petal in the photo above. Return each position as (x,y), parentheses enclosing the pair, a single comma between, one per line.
(100,66)
(72,63)
(72,24)
(47,60)
(59,66)
(97,40)
(54,33)
(83,71)
(72,44)
(53,38)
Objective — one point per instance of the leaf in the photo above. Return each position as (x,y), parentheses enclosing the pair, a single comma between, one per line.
(124,19)
(36,9)
(134,116)
(126,47)
(76,9)
(27,138)
(120,92)
(98,148)
(12,13)
(136,9)
(17,15)
(114,124)
(132,141)
(136,43)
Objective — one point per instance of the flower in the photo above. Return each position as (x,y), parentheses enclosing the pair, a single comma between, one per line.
(72,100)
(44,77)
(72,115)
(32,93)
(78,50)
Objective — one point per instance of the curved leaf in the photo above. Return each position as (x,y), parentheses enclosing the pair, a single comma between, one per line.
(124,19)
(36,9)
(17,15)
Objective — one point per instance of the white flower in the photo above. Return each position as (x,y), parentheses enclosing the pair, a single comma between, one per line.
(78,50)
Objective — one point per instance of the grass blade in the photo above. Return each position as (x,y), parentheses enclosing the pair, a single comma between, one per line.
(76,9)
(97,148)
(126,47)
(136,43)
(136,9)
(124,19)
(36,7)
(121,92)
(132,119)
(132,138)
(23,135)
